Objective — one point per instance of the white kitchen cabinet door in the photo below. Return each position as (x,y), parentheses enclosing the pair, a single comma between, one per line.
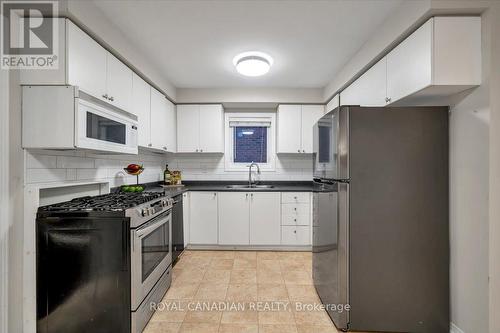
(185,217)
(188,128)
(333,104)
(171,127)
(211,129)
(203,218)
(369,89)
(409,65)
(289,129)
(310,115)
(265,218)
(119,83)
(141,107)
(159,119)
(86,62)
(234,218)
(295,235)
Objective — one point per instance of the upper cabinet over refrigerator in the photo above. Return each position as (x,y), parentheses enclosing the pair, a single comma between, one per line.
(330,146)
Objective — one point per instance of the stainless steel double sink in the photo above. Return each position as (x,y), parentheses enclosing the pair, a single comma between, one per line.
(249,187)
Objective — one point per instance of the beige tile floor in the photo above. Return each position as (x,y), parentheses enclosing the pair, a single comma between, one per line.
(254,281)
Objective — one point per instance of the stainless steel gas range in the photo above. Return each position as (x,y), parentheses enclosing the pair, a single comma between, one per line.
(101,262)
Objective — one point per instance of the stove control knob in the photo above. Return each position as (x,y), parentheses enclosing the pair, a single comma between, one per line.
(145,212)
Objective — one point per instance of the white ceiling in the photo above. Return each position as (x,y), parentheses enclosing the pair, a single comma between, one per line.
(193,42)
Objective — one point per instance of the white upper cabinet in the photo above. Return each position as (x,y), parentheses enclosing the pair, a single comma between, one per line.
(86,61)
(409,65)
(188,128)
(441,58)
(211,129)
(200,128)
(141,107)
(295,127)
(333,104)
(162,122)
(118,83)
(369,89)
(289,129)
(310,115)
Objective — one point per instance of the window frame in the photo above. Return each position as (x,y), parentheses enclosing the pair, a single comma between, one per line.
(229,163)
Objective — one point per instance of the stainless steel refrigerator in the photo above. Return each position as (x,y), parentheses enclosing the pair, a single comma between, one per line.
(380,218)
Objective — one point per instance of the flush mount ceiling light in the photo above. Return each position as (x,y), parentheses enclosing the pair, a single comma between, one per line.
(252,63)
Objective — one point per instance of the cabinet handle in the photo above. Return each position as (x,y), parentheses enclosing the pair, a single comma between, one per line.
(295,220)
(105,96)
(150,145)
(387,99)
(201,150)
(111,98)
(246,195)
(295,198)
(298,150)
(251,195)
(196,150)
(164,148)
(303,151)
(295,231)
(215,194)
(295,209)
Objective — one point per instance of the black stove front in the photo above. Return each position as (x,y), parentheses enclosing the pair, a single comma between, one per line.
(84,264)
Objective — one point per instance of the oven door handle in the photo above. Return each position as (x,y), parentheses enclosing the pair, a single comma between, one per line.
(141,232)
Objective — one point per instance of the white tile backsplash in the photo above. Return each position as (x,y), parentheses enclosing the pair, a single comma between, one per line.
(211,167)
(46,166)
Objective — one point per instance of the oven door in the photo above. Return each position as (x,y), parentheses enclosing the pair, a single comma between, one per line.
(151,255)
(103,129)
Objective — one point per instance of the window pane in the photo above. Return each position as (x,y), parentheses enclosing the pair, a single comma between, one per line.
(250,144)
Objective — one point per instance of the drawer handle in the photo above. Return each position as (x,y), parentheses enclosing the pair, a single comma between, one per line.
(295,220)
(295,198)
(295,208)
(295,231)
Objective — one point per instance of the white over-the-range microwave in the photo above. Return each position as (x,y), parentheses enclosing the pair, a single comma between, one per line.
(62,117)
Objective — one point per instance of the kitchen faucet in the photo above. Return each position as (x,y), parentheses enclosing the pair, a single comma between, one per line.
(250,181)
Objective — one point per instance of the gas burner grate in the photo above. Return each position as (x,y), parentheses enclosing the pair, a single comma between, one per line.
(105,202)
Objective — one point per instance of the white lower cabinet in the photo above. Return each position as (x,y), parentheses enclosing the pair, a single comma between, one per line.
(295,235)
(247,219)
(234,218)
(265,218)
(203,218)
(296,218)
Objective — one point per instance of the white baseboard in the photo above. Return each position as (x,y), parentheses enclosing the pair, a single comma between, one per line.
(455,329)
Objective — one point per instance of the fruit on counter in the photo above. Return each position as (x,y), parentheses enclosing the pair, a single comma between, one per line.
(134,169)
(132,188)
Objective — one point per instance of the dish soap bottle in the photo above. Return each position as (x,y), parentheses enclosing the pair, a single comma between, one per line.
(167,176)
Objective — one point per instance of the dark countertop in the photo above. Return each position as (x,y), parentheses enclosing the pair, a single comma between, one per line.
(221,186)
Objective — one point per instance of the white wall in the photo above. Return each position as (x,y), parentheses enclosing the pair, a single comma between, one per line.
(469,182)
(4,199)
(211,167)
(88,15)
(494,249)
(249,95)
(62,166)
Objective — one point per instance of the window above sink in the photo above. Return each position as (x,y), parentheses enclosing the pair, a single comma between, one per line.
(250,138)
